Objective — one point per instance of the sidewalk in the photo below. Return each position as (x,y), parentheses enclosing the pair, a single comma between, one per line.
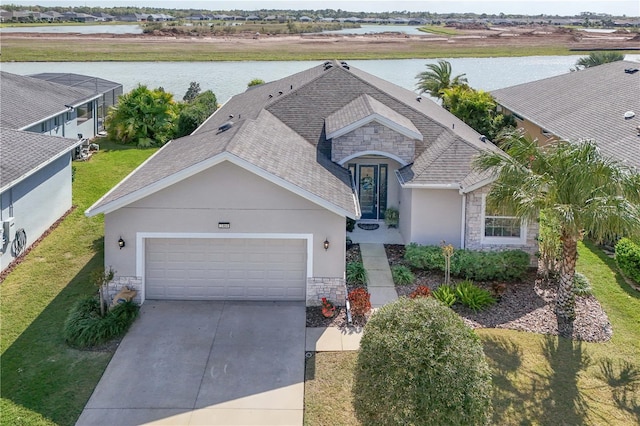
(380,283)
(330,339)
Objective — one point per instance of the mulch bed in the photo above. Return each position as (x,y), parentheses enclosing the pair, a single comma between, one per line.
(524,306)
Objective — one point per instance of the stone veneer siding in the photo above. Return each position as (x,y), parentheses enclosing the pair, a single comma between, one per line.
(474,229)
(119,283)
(334,289)
(373,137)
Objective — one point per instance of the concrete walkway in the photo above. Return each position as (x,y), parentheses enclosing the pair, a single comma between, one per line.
(332,339)
(380,285)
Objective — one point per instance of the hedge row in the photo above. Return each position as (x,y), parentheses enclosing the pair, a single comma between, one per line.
(508,265)
(628,258)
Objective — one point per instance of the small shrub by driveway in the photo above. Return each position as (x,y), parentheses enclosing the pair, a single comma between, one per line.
(419,364)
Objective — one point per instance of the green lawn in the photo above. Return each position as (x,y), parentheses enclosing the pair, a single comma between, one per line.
(43,380)
(538,380)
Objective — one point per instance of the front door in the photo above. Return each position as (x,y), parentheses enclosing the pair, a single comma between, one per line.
(372,190)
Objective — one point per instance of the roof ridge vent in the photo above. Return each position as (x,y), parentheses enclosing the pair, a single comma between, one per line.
(328,65)
(631,70)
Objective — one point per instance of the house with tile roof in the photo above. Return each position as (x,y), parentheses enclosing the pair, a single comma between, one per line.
(35,187)
(252,205)
(600,103)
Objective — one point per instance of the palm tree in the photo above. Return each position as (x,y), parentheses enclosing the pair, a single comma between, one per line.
(438,78)
(598,58)
(573,183)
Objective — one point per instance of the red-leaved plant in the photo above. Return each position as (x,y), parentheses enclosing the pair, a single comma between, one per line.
(421,291)
(360,301)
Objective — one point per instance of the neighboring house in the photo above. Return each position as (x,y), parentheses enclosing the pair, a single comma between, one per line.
(35,187)
(252,205)
(39,106)
(109,91)
(600,103)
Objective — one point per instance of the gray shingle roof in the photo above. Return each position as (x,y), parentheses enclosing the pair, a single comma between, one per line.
(22,153)
(279,127)
(27,101)
(587,104)
(362,107)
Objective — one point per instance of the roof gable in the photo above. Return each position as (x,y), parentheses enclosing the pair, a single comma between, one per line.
(363,110)
(24,153)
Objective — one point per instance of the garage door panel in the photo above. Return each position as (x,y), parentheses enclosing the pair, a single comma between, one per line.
(225,269)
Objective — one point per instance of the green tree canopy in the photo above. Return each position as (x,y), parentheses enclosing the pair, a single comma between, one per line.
(142,117)
(476,108)
(255,82)
(574,185)
(192,91)
(598,58)
(437,78)
(196,112)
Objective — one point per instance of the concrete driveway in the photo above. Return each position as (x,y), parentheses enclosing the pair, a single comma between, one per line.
(206,363)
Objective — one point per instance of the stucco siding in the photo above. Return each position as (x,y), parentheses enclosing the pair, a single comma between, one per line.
(404,222)
(436,215)
(226,193)
(37,202)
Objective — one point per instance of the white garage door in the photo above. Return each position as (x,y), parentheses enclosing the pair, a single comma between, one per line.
(225,269)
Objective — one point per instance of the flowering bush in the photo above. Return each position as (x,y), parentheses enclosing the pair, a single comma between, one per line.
(421,291)
(360,301)
(326,304)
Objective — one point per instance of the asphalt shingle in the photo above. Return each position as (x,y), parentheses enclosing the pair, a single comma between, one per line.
(587,104)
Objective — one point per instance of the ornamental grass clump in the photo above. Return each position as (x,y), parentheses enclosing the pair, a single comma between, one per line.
(86,327)
(474,297)
(445,294)
(402,275)
(419,364)
(356,274)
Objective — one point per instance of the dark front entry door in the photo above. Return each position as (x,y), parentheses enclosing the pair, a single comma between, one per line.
(372,189)
(368,191)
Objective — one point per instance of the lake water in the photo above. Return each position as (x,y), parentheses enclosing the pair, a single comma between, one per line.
(376,29)
(77,29)
(226,79)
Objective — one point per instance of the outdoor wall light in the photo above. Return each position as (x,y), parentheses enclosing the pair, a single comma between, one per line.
(326,244)
(121,243)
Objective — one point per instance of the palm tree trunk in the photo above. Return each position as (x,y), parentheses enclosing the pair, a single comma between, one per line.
(565,300)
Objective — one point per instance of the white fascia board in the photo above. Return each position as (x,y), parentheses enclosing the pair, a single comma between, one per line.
(379,119)
(478,185)
(40,166)
(373,152)
(108,208)
(204,165)
(64,111)
(288,185)
(454,185)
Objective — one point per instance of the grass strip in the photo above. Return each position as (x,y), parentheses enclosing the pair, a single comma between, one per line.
(172,50)
(43,380)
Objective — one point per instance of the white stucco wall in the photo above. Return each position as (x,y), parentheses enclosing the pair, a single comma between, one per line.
(226,193)
(436,215)
(37,202)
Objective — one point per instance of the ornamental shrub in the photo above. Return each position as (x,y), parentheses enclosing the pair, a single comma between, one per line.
(421,291)
(473,297)
(356,274)
(445,294)
(84,327)
(359,301)
(581,285)
(507,265)
(419,364)
(628,258)
(402,275)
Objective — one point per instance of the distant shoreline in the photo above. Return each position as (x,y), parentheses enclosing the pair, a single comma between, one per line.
(512,41)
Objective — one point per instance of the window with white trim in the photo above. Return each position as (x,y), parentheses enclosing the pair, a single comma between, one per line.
(501,227)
